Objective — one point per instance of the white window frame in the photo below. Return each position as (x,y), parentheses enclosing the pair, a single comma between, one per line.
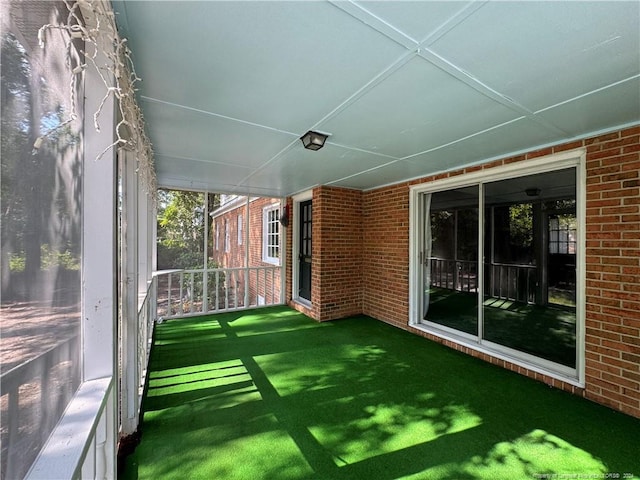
(227,236)
(267,234)
(240,229)
(570,159)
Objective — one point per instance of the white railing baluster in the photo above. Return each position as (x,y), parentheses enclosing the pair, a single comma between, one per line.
(259,280)
(205,291)
(226,291)
(169,308)
(191,295)
(273,286)
(217,286)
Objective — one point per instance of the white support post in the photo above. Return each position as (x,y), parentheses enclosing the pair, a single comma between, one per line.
(99,249)
(247,222)
(144,234)
(205,274)
(130,330)
(283,261)
(99,239)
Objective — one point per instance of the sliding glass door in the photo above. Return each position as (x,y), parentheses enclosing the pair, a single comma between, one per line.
(451,259)
(524,267)
(498,265)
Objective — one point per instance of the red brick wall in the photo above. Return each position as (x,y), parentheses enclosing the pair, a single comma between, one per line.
(612,270)
(337,272)
(267,287)
(386,263)
(261,282)
(337,255)
(236,254)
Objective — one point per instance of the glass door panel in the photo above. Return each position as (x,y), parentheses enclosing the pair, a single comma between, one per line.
(522,234)
(450,253)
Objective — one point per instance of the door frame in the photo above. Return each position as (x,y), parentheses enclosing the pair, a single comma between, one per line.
(295,247)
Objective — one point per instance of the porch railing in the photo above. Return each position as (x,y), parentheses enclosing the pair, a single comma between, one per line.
(33,396)
(147,314)
(460,275)
(83,442)
(512,282)
(503,281)
(183,293)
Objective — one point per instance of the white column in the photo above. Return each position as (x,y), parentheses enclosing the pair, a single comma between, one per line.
(144,234)
(205,274)
(130,331)
(99,254)
(99,237)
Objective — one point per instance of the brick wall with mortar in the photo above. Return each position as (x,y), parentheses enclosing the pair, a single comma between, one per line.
(612,265)
(268,286)
(234,257)
(337,254)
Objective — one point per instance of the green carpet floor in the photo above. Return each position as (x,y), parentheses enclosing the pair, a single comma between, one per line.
(271,394)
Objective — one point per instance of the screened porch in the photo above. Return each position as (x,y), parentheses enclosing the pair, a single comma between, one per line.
(526,257)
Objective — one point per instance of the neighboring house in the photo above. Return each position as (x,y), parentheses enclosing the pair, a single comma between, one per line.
(248,247)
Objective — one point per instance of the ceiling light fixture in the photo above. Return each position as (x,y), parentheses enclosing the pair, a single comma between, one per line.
(313,140)
(532,192)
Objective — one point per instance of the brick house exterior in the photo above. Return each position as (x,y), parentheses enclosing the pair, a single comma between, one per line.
(231,234)
(361,263)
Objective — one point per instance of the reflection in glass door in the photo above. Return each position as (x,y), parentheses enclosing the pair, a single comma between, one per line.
(524,267)
(527,303)
(450,253)
(561,262)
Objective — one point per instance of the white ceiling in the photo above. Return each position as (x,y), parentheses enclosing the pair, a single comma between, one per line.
(405,89)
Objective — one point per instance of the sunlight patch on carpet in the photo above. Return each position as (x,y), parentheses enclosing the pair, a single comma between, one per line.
(279,322)
(320,368)
(533,455)
(221,384)
(226,452)
(197,377)
(389,427)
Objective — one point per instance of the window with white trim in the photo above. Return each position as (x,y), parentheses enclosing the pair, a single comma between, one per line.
(217,236)
(271,234)
(240,229)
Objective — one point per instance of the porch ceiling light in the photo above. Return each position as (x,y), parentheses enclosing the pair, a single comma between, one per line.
(313,140)
(532,192)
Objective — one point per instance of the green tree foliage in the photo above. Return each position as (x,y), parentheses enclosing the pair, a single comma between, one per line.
(16,129)
(40,190)
(521,224)
(181,228)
